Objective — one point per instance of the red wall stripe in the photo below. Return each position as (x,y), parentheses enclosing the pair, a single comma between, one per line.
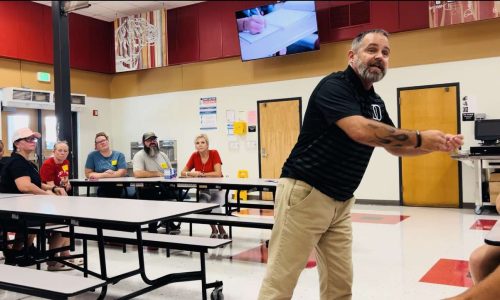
(193,35)
(26,34)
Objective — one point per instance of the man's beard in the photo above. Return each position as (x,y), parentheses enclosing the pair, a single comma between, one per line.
(152,150)
(364,71)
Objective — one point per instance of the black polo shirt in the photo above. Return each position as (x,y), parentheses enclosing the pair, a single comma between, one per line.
(17,167)
(325,156)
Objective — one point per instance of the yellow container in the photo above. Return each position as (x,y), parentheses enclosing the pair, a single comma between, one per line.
(243,194)
(240,127)
(242,173)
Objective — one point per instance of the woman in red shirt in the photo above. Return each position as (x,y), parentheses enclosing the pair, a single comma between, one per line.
(55,170)
(207,163)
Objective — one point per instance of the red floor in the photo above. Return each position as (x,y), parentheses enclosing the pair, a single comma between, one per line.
(259,254)
(449,272)
(483,224)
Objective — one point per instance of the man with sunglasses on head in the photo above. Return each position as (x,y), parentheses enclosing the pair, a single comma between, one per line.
(151,162)
(105,163)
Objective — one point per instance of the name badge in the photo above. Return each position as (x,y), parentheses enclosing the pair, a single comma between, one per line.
(164,165)
(114,162)
(65,168)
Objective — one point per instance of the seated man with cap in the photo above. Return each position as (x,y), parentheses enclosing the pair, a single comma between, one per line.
(151,162)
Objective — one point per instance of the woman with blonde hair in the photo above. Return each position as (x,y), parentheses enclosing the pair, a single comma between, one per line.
(206,162)
(55,170)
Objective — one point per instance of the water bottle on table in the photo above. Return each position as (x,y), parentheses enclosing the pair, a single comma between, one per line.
(170,173)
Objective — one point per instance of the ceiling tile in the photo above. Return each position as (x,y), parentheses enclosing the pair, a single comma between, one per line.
(110,10)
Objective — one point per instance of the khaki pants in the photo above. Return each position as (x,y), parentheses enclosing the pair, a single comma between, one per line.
(306,219)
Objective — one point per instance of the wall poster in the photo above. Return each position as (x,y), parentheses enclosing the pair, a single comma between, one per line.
(208,113)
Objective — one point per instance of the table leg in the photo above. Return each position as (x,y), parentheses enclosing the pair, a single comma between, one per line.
(238,201)
(226,206)
(102,261)
(479,186)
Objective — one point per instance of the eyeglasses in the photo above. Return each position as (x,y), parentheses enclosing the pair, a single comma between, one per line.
(30,139)
(151,139)
(101,141)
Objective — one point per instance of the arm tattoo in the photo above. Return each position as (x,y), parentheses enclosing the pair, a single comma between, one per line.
(386,135)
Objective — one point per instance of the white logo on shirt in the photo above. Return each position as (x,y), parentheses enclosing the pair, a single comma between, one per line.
(377,112)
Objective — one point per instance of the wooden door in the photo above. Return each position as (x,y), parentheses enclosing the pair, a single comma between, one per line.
(431,179)
(279,127)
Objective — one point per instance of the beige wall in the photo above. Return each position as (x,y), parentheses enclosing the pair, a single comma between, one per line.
(175,115)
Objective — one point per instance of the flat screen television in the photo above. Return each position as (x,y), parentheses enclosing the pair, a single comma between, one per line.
(282,28)
(487,131)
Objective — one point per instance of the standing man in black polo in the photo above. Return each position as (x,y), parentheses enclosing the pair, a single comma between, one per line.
(345,119)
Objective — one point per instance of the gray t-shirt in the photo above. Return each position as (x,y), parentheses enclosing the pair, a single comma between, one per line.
(143,162)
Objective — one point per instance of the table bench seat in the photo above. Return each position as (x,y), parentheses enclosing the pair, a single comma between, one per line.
(214,219)
(260,204)
(187,243)
(180,242)
(50,285)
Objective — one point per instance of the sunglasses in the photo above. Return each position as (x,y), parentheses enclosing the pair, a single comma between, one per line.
(101,141)
(30,139)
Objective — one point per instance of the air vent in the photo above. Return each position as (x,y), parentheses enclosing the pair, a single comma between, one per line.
(41,97)
(78,99)
(350,15)
(21,95)
(36,99)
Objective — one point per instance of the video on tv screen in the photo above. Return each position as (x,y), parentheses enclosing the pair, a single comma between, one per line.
(282,28)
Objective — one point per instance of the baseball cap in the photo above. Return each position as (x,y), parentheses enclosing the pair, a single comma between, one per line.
(22,133)
(148,135)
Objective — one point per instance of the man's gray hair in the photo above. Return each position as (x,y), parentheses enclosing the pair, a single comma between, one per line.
(356,42)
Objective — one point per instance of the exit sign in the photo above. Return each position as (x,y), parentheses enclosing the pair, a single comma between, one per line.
(43,76)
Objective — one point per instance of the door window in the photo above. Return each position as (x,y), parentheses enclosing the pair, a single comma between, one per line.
(50,132)
(15,122)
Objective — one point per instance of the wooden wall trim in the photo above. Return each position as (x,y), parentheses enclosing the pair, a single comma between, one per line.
(18,73)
